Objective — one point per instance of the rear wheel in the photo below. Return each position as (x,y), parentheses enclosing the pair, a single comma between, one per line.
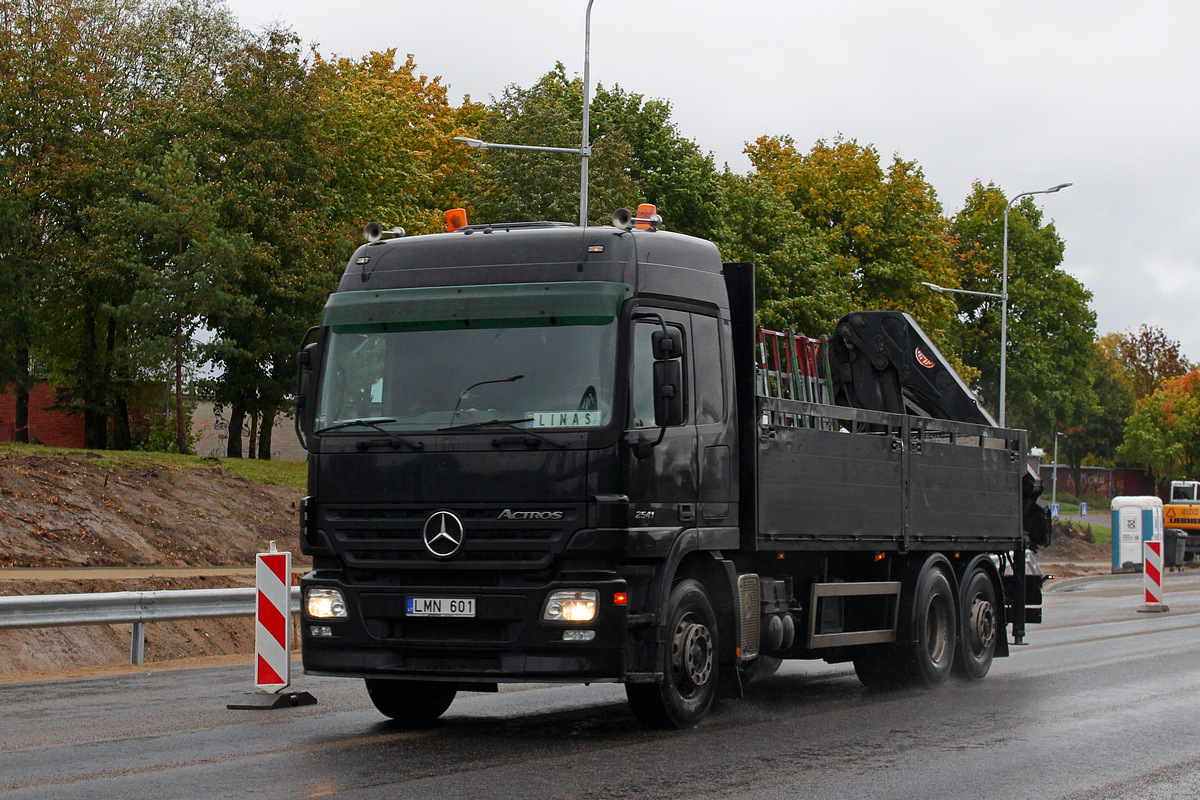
(931,656)
(980,626)
(927,659)
(879,669)
(414,704)
(689,663)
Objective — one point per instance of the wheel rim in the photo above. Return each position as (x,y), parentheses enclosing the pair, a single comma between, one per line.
(691,654)
(983,625)
(937,629)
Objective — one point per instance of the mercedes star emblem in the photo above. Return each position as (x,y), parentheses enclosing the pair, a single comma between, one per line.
(443,534)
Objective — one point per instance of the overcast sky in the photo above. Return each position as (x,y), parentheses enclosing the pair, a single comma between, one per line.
(1022,94)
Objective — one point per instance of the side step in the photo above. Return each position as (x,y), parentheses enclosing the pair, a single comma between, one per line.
(822,616)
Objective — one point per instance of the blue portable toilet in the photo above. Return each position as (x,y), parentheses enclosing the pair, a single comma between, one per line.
(1134,520)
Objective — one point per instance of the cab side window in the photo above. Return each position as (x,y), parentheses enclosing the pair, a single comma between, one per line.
(641,385)
(706,355)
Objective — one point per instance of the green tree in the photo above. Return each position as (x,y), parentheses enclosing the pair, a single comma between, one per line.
(181,249)
(1051,329)
(799,283)
(1098,439)
(1164,430)
(83,87)
(66,86)
(668,170)
(273,174)
(1149,358)
(884,226)
(387,133)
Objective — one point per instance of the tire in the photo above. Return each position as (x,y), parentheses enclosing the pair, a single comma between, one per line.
(688,661)
(980,626)
(413,704)
(877,669)
(931,656)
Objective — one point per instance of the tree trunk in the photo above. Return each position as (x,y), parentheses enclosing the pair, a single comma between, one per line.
(237,418)
(21,421)
(95,429)
(92,391)
(181,426)
(253,434)
(122,437)
(264,435)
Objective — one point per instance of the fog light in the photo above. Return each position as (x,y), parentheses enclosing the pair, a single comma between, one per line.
(320,631)
(578,636)
(570,606)
(325,604)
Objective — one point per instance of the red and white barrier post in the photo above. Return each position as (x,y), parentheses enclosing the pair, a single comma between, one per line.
(273,634)
(1152,577)
(273,621)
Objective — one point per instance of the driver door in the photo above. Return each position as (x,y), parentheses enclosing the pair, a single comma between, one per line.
(662,484)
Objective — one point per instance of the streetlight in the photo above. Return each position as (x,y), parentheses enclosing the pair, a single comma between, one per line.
(1054,481)
(584,151)
(1004,296)
(937,288)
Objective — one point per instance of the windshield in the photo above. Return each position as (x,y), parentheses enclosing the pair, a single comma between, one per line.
(1184,491)
(543,372)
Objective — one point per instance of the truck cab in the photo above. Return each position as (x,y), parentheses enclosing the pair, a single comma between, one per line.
(507,427)
(1182,512)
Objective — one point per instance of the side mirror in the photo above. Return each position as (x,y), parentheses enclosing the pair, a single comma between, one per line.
(306,361)
(668,393)
(666,343)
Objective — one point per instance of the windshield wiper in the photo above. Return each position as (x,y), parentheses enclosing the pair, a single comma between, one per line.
(505,423)
(377,423)
(466,426)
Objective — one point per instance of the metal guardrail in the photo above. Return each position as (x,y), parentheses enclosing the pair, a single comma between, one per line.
(138,608)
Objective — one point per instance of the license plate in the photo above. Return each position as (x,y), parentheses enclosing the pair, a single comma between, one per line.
(441,607)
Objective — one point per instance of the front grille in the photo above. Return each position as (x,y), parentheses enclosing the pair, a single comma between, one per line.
(387,538)
(454,630)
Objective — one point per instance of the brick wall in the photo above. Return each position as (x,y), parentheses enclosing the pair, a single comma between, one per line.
(1099,481)
(53,428)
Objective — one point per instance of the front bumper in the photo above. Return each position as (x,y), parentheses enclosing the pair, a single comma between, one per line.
(505,641)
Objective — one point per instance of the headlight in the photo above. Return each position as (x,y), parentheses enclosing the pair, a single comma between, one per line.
(570,606)
(325,604)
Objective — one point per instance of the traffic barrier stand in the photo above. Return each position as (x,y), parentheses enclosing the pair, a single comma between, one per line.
(1152,572)
(273,636)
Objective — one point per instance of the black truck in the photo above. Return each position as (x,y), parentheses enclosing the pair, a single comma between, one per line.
(546,453)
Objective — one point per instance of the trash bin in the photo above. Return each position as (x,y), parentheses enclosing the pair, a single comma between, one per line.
(1174,545)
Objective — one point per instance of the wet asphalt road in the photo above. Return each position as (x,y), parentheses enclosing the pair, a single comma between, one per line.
(1103,703)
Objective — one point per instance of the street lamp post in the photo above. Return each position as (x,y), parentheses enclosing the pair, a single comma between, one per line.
(1054,480)
(584,151)
(1004,297)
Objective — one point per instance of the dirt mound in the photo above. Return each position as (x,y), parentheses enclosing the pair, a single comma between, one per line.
(67,510)
(80,510)
(1073,551)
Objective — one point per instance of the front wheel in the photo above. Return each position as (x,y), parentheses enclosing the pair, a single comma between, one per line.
(414,704)
(689,663)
